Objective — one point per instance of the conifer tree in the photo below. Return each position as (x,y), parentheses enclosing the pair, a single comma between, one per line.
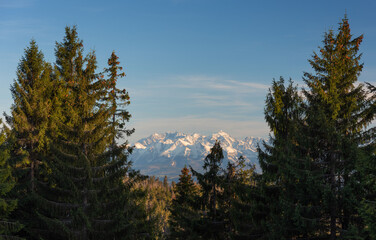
(30,122)
(212,224)
(335,118)
(184,210)
(31,109)
(85,197)
(117,99)
(366,168)
(7,182)
(238,186)
(367,206)
(156,203)
(224,207)
(288,180)
(165,182)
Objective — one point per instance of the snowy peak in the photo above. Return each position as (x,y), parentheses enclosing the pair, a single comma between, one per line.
(139,146)
(223,137)
(167,153)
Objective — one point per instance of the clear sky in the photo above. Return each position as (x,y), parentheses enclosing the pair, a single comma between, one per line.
(192,65)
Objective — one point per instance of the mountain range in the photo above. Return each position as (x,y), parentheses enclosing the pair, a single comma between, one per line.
(166,154)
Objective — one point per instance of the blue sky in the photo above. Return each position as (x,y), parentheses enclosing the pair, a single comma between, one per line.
(192,65)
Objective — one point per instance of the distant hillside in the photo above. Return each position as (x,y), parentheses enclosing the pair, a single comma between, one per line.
(166,154)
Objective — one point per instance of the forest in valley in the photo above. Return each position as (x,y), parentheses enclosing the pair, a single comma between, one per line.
(65,171)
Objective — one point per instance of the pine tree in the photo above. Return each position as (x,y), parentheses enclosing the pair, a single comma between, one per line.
(212,224)
(288,182)
(117,99)
(238,185)
(7,183)
(165,182)
(335,117)
(366,168)
(30,122)
(183,209)
(85,197)
(224,207)
(30,110)
(367,206)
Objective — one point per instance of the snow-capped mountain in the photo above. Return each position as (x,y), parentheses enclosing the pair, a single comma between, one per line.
(166,154)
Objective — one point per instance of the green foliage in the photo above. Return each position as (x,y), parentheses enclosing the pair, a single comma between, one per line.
(311,183)
(184,208)
(289,182)
(32,100)
(156,204)
(117,99)
(7,183)
(238,186)
(211,224)
(224,206)
(68,165)
(366,168)
(314,166)
(85,196)
(30,112)
(336,116)
(29,137)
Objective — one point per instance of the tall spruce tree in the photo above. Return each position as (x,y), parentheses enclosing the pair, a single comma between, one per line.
(224,207)
(85,197)
(184,210)
(367,206)
(366,168)
(238,186)
(335,117)
(29,121)
(289,181)
(212,224)
(117,100)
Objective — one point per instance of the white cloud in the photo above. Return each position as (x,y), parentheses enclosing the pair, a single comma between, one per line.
(202,92)
(252,85)
(222,101)
(217,83)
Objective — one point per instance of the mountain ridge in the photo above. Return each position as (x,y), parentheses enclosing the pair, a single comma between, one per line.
(165,154)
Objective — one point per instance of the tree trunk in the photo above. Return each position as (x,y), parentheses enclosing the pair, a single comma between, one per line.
(333,207)
(214,203)
(32,175)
